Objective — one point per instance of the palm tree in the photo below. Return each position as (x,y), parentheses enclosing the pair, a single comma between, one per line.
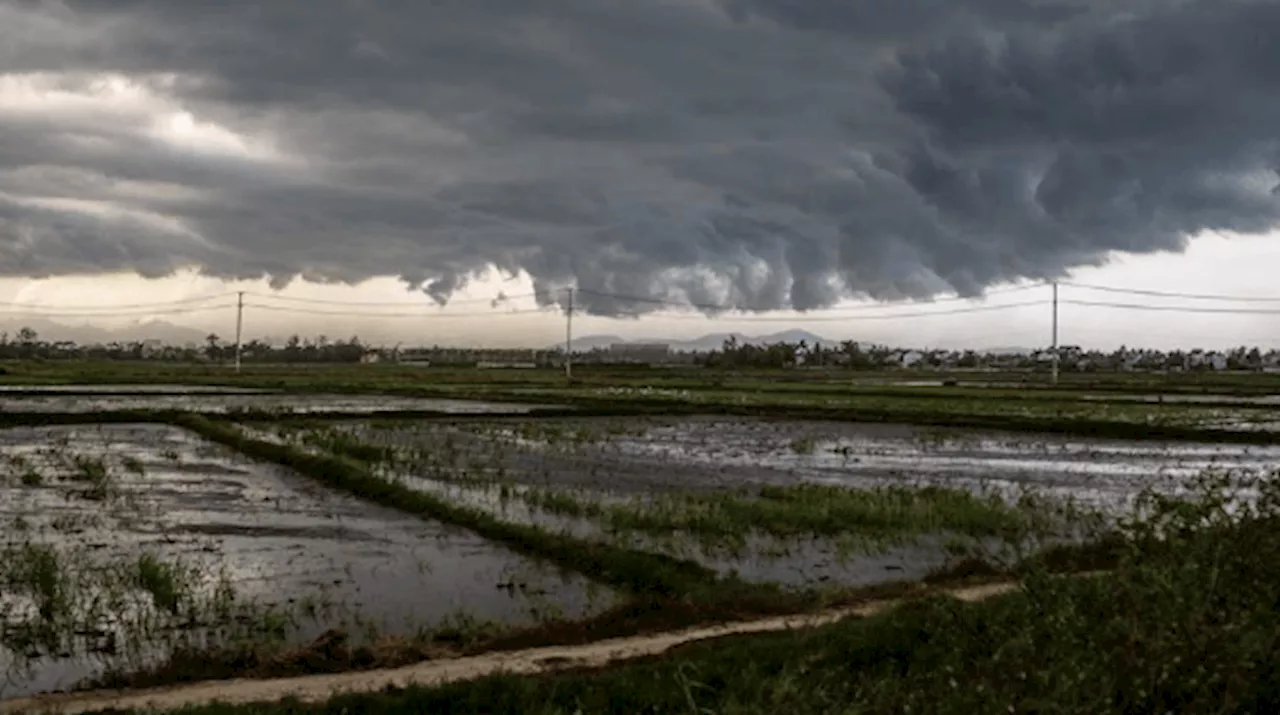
(213,351)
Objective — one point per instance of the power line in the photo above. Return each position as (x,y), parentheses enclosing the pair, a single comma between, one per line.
(367,314)
(133,306)
(133,314)
(853,313)
(1173,308)
(891,316)
(855,308)
(385,304)
(1168,294)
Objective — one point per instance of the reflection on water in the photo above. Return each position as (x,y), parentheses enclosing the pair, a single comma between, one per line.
(280,538)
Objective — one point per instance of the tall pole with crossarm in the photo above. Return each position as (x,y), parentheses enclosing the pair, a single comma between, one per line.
(568,337)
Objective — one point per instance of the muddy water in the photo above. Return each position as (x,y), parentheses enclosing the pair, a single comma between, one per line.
(622,460)
(640,456)
(221,402)
(762,559)
(281,538)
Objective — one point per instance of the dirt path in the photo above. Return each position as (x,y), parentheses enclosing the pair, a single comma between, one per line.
(316,688)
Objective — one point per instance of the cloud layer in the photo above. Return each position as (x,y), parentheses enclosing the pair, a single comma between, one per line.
(760,153)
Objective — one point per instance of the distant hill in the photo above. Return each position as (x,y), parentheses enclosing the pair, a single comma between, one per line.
(168,333)
(592,342)
(710,341)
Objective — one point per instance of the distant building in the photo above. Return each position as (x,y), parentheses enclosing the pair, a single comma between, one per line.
(640,353)
(911,358)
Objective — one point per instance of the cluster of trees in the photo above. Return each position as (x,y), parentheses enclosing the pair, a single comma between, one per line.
(851,355)
(856,356)
(27,344)
(295,349)
(734,354)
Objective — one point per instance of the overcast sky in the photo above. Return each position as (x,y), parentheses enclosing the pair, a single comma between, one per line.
(763,155)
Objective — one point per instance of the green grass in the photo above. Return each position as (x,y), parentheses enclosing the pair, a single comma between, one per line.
(862,520)
(94,472)
(1186,622)
(638,572)
(165,582)
(1189,581)
(869,517)
(980,401)
(39,571)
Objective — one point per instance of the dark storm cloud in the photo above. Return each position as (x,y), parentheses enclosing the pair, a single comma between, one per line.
(763,153)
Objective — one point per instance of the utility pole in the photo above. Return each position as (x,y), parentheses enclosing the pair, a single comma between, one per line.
(1055,332)
(239,324)
(568,338)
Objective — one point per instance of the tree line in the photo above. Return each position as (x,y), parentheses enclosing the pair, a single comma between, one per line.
(26,344)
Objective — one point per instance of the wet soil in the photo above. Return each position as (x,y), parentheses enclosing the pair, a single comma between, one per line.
(320,688)
(282,539)
(642,455)
(488,465)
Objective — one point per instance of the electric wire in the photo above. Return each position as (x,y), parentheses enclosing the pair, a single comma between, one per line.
(1171,294)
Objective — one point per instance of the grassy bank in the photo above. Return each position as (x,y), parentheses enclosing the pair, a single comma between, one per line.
(322,376)
(1185,623)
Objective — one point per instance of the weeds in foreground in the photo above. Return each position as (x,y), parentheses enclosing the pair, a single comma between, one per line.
(64,603)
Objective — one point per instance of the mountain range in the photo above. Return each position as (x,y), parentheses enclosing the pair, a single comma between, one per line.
(171,334)
(710,341)
(51,331)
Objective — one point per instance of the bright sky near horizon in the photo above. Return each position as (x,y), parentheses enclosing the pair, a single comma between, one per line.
(1243,266)
(767,155)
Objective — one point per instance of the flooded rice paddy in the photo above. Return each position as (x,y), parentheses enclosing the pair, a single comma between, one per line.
(222,402)
(642,455)
(122,543)
(120,533)
(619,479)
(130,389)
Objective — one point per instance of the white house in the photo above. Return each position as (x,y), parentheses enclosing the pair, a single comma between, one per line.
(911,358)
(1215,361)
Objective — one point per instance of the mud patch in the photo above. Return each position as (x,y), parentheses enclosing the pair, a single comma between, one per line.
(641,455)
(281,540)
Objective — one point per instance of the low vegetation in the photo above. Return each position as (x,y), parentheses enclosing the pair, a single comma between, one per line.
(865,517)
(638,572)
(1184,622)
(717,527)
